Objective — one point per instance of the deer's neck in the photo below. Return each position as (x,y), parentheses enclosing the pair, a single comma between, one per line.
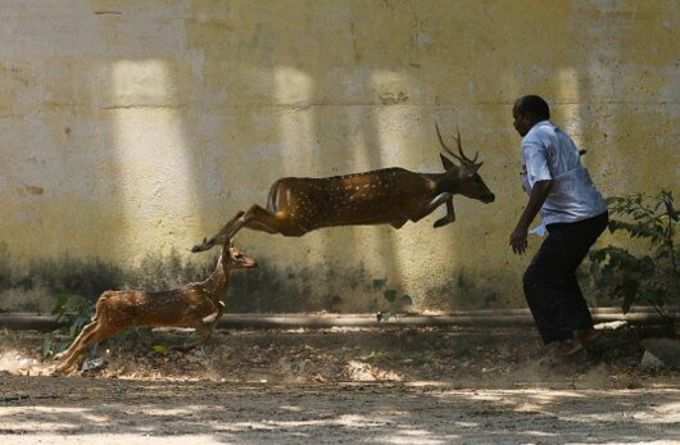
(218,280)
(446,183)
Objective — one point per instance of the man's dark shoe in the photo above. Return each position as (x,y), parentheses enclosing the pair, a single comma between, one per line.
(589,339)
(559,352)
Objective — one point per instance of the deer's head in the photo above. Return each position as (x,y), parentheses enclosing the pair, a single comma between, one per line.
(465,176)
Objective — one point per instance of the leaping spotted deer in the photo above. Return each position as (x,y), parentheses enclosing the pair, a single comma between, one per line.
(196,305)
(392,196)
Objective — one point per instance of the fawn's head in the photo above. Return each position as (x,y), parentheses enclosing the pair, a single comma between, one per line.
(464,176)
(237,259)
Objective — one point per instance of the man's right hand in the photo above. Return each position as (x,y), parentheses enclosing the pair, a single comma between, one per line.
(518,240)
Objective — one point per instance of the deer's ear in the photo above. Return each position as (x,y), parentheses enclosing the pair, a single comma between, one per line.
(446,162)
(471,170)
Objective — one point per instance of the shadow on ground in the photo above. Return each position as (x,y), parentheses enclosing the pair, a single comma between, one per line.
(416,386)
(59,410)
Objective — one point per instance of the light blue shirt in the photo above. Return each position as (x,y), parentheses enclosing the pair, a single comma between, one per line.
(550,154)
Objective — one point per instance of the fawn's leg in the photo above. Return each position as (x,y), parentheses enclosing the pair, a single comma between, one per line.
(204,329)
(93,333)
(85,331)
(210,322)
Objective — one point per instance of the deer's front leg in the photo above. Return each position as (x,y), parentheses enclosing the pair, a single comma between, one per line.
(430,206)
(450,214)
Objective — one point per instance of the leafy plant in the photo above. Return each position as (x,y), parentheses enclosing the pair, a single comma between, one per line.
(75,311)
(649,278)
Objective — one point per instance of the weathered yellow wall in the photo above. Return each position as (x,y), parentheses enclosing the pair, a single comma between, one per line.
(136,126)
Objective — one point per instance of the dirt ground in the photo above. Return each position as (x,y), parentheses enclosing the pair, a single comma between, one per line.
(386,386)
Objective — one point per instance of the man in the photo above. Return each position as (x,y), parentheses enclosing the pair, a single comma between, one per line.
(574,215)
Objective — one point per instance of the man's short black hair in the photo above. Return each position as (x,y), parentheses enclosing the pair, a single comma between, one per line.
(533,105)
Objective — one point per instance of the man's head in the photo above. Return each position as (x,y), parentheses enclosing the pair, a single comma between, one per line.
(527,111)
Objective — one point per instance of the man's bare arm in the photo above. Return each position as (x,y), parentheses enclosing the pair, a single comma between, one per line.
(518,238)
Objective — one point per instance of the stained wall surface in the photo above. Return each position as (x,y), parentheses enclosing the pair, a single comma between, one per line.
(131,127)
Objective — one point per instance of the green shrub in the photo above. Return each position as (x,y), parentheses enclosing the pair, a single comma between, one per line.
(651,278)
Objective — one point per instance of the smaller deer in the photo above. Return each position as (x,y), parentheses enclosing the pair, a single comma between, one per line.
(195,305)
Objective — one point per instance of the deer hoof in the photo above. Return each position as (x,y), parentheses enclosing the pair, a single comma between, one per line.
(59,370)
(205,245)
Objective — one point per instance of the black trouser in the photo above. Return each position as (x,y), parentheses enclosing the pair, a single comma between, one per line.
(550,284)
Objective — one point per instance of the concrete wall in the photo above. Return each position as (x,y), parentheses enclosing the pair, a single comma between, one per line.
(132,126)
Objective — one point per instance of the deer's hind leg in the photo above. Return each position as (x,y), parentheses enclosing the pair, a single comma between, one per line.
(258,218)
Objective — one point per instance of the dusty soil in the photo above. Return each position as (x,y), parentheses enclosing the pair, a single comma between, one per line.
(416,386)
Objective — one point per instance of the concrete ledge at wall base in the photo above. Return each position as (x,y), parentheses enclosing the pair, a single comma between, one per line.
(487,318)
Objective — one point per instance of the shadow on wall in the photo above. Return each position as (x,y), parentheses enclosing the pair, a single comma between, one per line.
(463,292)
(350,289)
(36,286)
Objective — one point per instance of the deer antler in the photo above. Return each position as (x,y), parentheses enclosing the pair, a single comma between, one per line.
(459,141)
(462,158)
(441,141)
